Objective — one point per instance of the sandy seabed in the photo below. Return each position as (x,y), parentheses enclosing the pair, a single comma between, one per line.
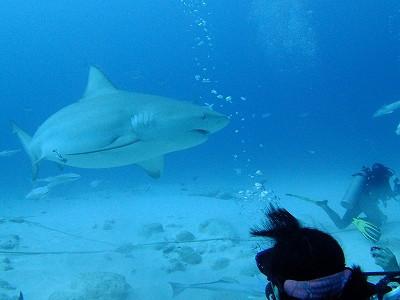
(139,240)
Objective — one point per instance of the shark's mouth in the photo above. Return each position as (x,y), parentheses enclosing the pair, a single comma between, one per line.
(201,131)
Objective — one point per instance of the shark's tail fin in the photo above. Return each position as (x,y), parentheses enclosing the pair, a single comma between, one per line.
(26,143)
(177,288)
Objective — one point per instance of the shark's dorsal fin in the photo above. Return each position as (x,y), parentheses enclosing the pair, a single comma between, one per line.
(97,83)
(154,166)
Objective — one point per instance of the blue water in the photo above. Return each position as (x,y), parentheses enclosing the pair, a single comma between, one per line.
(305,79)
(147,46)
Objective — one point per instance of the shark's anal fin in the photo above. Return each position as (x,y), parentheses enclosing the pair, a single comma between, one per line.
(153,167)
(97,84)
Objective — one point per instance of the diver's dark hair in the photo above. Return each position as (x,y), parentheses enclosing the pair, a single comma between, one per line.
(279,224)
(379,181)
(300,253)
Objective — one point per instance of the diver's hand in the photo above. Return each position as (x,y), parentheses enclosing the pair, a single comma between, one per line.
(385,258)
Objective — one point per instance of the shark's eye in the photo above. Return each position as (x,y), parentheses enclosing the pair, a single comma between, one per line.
(204,116)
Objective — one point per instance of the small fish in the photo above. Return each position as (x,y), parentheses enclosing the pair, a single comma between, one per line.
(221,285)
(60,179)
(38,193)
(20,297)
(387,109)
(7,153)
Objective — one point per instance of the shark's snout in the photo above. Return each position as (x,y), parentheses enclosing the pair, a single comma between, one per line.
(216,121)
(205,123)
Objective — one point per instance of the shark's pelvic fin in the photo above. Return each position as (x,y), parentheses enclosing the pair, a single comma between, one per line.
(153,167)
(26,143)
(97,84)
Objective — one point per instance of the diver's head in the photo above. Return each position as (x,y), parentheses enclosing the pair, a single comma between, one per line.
(380,171)
(379,181)
(300,255)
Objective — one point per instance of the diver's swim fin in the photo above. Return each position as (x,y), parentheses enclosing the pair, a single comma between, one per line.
(303,198)
(369,230)
(321,203)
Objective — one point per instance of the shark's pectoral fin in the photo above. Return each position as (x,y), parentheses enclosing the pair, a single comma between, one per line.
(153,167)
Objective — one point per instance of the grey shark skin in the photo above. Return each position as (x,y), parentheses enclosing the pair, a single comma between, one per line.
(109,127)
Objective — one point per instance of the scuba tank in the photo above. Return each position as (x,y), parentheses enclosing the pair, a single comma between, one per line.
(356,189)
(372,181)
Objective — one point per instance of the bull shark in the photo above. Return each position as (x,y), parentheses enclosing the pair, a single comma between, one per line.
(109,127)
(387,109)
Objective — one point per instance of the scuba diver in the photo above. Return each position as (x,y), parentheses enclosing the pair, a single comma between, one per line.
(306,263)
(369,186)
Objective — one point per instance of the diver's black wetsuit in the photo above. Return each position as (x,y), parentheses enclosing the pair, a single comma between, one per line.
(373,186)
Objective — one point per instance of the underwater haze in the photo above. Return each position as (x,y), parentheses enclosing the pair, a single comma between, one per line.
(299,81)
